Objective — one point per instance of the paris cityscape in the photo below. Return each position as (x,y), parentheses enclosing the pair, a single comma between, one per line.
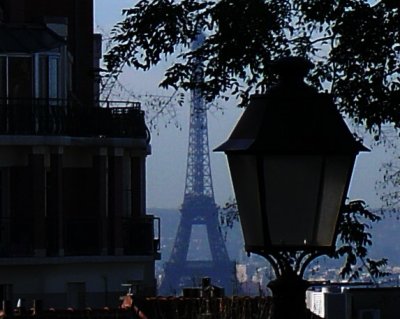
(199,159)
(253,273)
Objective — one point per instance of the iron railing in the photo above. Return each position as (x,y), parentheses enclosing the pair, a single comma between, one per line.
(64,117)
(141,235)
(80,236)
(16,237)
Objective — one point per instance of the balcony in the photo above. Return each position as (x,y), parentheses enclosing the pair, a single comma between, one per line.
(141,235)
(55,117)
(80,236)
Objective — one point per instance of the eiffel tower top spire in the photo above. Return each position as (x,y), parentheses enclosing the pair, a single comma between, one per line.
(198,170)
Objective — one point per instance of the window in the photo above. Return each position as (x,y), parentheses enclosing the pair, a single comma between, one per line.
(3,77)
(43,77)
(27,77)
(20,75)
(53,77)
(47,86)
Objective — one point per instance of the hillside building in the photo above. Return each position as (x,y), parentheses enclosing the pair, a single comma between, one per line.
(73,223)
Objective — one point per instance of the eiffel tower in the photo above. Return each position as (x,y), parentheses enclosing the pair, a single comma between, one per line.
(198,208)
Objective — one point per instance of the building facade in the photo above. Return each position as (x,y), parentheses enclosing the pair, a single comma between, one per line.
(73,223)
(347,302)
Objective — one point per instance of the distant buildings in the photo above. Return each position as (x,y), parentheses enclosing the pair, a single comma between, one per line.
(73,225)
(337,302)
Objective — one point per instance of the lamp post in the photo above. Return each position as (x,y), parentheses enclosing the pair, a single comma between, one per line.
(291,157)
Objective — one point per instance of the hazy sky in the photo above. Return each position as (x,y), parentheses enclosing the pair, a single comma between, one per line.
(166,167)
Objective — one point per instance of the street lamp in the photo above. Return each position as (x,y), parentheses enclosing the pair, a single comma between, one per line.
(291,157)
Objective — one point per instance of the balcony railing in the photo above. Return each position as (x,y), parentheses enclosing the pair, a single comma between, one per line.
(16,237)
(141,235)
(63,117)
(81,236)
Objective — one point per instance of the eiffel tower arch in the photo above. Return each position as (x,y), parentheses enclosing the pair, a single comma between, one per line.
(198,208)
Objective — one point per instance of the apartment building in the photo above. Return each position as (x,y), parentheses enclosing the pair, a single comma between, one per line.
(73,223)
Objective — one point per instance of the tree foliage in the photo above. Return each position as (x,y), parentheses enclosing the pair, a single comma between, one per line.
(161,110)
(353,242)
(353,43)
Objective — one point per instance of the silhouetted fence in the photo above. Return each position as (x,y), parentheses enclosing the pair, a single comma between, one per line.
(163,308)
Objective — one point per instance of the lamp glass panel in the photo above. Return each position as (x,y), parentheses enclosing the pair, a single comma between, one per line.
(336,176)
(292,188)
(245,180)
